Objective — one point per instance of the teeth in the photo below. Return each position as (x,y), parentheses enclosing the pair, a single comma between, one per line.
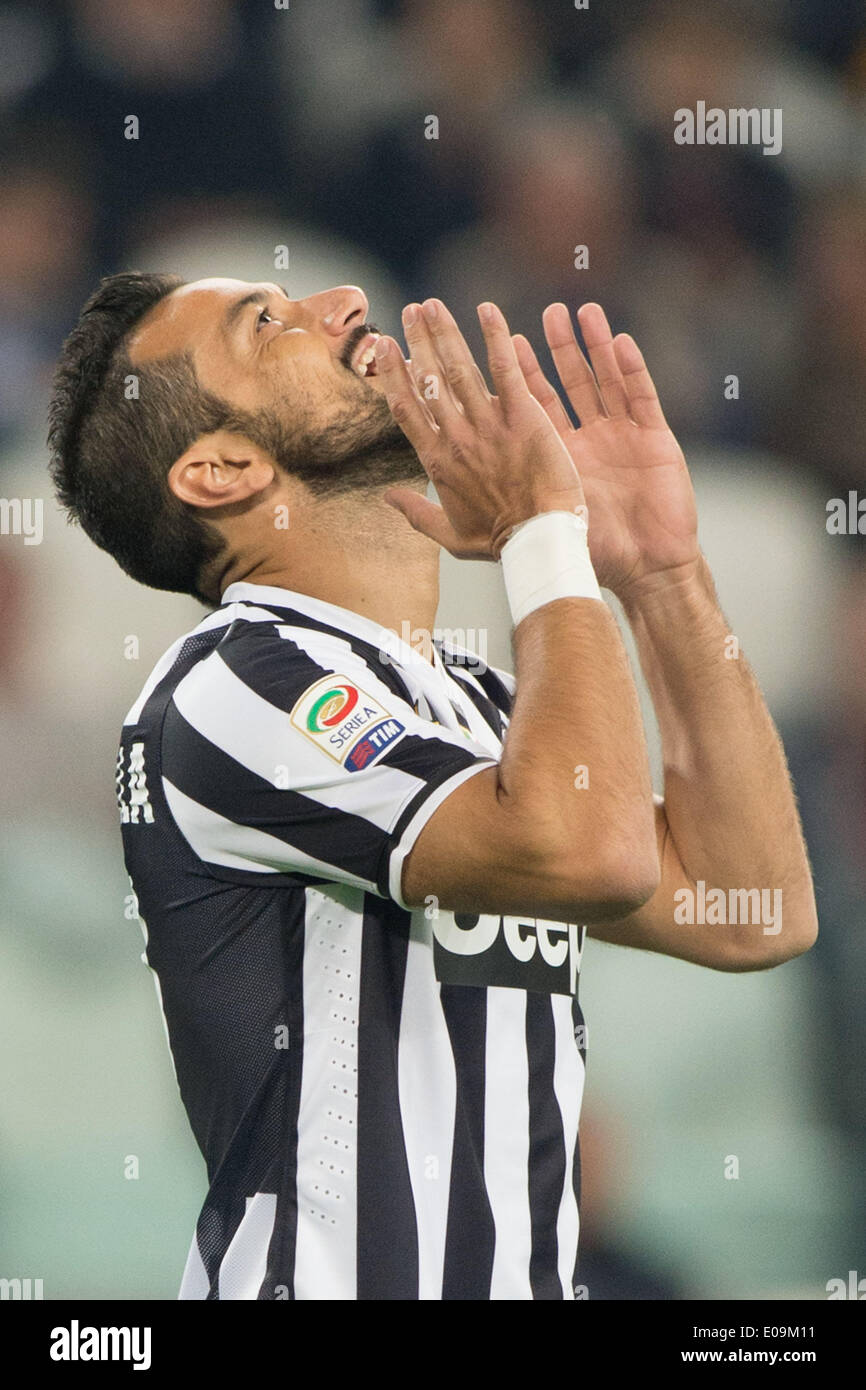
(365,359)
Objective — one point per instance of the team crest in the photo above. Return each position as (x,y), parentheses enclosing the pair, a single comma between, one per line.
(349,725)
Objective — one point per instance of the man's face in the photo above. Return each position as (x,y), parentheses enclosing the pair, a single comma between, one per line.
(301,368)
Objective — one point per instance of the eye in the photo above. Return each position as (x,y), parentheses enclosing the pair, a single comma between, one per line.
(263,318)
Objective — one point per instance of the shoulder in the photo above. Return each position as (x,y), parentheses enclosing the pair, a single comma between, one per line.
(262,672)
(281,659)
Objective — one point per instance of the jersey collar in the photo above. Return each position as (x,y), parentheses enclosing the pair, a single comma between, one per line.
(332,615)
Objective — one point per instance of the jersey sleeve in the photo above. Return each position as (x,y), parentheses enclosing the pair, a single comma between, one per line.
(508,683)
(301,759)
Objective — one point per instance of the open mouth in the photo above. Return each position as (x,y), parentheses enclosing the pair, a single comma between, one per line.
(358,351)
(363,360)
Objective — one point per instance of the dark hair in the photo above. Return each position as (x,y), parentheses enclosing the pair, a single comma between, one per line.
(114,432)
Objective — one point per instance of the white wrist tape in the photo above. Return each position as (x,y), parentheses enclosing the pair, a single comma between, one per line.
(547,558)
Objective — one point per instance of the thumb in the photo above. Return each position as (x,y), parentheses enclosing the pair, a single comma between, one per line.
(424,516)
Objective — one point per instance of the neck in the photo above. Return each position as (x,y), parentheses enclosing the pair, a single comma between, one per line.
(353,551)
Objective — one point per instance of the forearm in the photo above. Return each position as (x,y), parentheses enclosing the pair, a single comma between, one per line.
(575,758)
(562,827)
(729,803)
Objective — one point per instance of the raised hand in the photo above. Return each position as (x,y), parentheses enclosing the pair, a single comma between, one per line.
(641,506)
(495,460)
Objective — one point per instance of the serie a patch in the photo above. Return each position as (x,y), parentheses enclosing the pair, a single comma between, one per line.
(349,725)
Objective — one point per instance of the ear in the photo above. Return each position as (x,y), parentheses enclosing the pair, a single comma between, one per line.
(219,469)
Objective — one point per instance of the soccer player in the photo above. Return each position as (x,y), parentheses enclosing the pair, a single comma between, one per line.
(365,871)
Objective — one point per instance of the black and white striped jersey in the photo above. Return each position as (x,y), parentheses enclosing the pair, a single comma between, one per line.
(387,1100)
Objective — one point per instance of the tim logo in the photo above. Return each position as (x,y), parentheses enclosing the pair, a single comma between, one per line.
(345,722)
(515,952)
(373,743)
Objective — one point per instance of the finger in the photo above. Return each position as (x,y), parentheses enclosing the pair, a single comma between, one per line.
(462,374)
(407,408)
(428,373)
(540,387)
(599,343)
(502,360)
(572,367)
(424,516)
(643,402)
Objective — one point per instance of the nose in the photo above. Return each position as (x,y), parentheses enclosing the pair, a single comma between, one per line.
(339,309)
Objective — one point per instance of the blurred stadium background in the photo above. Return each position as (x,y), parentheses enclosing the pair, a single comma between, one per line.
(304,127)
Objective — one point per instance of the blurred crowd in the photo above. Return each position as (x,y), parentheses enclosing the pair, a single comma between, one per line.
(554,130)
(468,148)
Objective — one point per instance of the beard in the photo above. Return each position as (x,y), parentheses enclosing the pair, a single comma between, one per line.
(360,448)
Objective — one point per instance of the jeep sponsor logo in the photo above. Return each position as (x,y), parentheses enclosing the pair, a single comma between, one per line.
(515,952)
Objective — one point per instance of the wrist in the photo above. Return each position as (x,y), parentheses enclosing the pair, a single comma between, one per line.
(547,558)
(684,583)
(508,526)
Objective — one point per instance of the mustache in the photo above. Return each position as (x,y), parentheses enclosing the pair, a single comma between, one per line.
(354,339)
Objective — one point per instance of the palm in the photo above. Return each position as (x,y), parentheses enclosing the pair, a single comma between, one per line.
(642,516)
(638,495)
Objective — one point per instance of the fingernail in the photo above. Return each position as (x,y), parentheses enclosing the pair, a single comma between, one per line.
(486,311)
(431,309)
(381,347)
(410,314)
